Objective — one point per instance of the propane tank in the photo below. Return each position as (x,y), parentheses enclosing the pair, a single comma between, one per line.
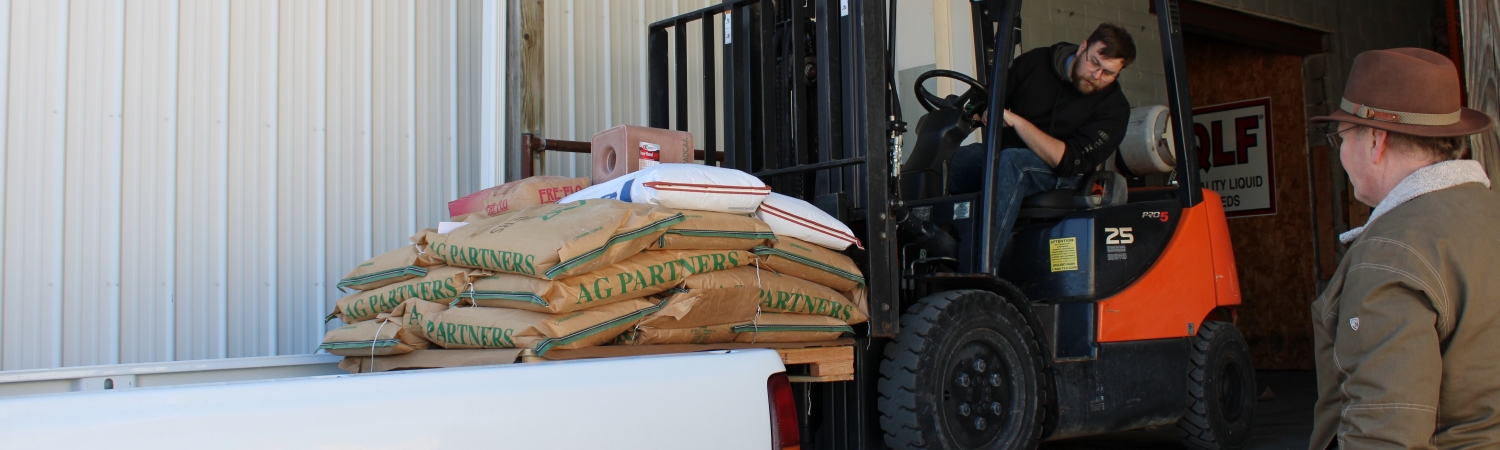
(1147,148)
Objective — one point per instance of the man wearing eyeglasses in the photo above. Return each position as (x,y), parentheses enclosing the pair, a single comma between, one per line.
(1407,332)
(1064,115)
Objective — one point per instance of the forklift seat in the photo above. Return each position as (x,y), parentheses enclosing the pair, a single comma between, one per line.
(1097,190)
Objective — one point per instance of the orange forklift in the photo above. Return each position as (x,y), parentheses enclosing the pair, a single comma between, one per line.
(1113,306)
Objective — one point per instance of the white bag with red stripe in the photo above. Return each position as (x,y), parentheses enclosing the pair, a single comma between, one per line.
(791,217)
(683,186)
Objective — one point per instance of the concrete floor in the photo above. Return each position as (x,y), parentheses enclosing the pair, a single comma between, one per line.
(1281,423)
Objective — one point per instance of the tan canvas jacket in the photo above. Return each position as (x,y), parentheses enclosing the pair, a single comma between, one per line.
(1407,334)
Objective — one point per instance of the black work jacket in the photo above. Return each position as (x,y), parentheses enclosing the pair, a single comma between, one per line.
(1039,89)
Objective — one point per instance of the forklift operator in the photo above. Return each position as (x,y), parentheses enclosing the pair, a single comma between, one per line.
(1064,116)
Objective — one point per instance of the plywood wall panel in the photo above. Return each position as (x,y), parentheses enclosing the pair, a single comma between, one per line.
(1274,253)
(1480,27)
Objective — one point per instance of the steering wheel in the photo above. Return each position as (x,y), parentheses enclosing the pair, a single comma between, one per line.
(977,96)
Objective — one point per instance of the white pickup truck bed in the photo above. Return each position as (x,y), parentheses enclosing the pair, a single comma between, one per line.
(714,399)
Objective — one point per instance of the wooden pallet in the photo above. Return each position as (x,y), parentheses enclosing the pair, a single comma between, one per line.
(825,364)
(825,361)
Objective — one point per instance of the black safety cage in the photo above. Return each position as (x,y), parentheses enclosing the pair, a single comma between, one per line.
(807,115)
(809,107)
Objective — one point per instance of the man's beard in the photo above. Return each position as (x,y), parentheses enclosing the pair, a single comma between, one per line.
(1080,80)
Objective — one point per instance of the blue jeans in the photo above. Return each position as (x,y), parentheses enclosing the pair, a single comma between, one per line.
(1022,173)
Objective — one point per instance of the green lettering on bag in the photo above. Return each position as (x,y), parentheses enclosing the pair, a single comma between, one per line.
(607,291)
(640,281)
(583,295)
(718,261)
(472,333)
(655,272)
(625,278)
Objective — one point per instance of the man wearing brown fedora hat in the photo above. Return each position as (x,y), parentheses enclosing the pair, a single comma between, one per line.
(1408,330)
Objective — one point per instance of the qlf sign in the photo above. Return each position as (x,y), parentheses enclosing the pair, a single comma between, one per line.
(1235,157)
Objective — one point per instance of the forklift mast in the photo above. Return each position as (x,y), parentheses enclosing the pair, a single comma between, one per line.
(805,108)
(810,106)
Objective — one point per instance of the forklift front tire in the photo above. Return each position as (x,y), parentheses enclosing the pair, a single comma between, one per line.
(965,372)
(1221,390)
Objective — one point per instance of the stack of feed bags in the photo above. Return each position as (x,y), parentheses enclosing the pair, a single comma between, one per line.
(799,289)
(383,284)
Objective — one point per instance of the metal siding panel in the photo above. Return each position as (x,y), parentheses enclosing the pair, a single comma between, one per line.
(499,14)
(450,104)
(407,66)
(301,191)
(33,232)
(555,104)
(394,212)
(252,179)
(626,92)
(348,184)
(570,160)
(597,59)
(91,223)
(585,70)
(202,188)
(468,54)
(435,100)
(488,97)
(429,99)
(562,110)
(4,124)
(148,200)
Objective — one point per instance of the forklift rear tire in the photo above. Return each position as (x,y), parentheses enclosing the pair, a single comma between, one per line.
(1221,390)
(965,372)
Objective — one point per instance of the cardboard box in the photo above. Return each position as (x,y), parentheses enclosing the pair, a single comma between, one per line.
(627,148)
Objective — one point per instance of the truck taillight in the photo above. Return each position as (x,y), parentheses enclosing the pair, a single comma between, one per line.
(784,432)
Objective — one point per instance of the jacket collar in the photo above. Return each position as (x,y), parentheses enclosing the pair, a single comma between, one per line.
(1428,179)
(1060,53)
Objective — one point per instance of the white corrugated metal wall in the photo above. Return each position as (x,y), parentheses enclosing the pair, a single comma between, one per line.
(183,179)
(596,70)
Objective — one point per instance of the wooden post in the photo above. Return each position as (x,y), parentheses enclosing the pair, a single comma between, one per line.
(526,82)
(1480,19)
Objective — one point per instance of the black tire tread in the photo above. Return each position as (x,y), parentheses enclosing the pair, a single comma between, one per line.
(1194,427)
(898,397)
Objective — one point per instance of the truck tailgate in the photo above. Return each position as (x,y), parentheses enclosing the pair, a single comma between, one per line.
(699,400)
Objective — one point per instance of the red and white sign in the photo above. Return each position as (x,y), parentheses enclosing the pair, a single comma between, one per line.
(1235,157)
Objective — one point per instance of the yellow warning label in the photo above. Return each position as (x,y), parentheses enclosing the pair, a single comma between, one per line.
(1064,254)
